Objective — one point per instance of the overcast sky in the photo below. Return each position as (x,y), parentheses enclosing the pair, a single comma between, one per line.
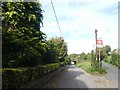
(78,20)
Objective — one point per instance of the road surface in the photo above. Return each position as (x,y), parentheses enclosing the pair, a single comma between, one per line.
(112,73)
(74,77)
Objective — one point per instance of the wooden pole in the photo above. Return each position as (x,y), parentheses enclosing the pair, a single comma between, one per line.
(96,45)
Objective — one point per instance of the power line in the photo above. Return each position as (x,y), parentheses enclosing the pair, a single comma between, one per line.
(56,18)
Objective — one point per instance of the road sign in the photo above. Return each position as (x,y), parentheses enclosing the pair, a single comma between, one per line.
(99,42)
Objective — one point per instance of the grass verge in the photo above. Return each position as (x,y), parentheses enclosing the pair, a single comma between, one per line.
(86,65)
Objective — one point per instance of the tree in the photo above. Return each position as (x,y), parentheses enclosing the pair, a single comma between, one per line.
(57,50)
(73,55)
(23,42)
(114,58)
(83,56)
(88,56)
(106,49)
(93,58)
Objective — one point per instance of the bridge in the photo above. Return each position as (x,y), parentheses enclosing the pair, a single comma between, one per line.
(73,61)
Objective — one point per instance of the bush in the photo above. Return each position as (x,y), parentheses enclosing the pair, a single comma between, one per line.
(16,77)
(114,58)
(13,78)
(108,59)
(99,70)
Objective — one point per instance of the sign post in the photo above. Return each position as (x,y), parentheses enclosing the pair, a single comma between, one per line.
(100,43)
(99,57)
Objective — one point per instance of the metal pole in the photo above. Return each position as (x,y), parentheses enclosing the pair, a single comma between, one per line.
(99,56)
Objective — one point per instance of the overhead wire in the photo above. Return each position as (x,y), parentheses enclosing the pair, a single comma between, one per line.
(56,18)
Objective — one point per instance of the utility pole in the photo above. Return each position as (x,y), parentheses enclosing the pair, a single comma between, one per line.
(96,45)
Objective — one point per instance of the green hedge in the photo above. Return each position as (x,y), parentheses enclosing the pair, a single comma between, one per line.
(16,77)
(99,70)
(114,59)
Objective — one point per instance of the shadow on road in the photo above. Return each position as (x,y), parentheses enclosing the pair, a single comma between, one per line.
(68,78)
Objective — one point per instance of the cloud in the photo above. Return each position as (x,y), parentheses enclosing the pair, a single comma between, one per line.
(78,20)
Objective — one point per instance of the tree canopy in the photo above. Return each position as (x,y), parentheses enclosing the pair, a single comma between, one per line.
(22,39)
(57,50)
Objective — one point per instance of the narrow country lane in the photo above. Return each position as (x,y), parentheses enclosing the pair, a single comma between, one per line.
(74,77)
(112,74)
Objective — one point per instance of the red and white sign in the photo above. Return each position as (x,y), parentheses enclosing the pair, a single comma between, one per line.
(99,42)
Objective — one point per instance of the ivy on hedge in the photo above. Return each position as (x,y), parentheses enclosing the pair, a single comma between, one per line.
(16,77)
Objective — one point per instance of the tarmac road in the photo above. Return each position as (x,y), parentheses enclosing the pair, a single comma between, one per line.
(112,73)
(74,77)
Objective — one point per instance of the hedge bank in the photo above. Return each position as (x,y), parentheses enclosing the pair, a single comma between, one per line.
(16,77)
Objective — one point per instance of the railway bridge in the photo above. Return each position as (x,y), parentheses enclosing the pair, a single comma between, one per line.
(73,61)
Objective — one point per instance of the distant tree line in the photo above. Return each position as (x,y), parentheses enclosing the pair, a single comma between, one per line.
(112,57)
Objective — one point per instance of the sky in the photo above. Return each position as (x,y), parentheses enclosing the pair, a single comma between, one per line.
(78,20)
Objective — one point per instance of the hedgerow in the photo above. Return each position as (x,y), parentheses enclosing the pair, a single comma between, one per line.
(16,77)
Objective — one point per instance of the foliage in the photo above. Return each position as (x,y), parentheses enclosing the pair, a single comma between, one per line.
(86,65)
(23,42)
(108,59)
(57,50)
(98,70)
(73,55)
(25,48)
(16,77)
(118,61)
(114,58)
(88,56)
(67,60)
(93,58)
(104,53)
(107,49)
(83,56)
